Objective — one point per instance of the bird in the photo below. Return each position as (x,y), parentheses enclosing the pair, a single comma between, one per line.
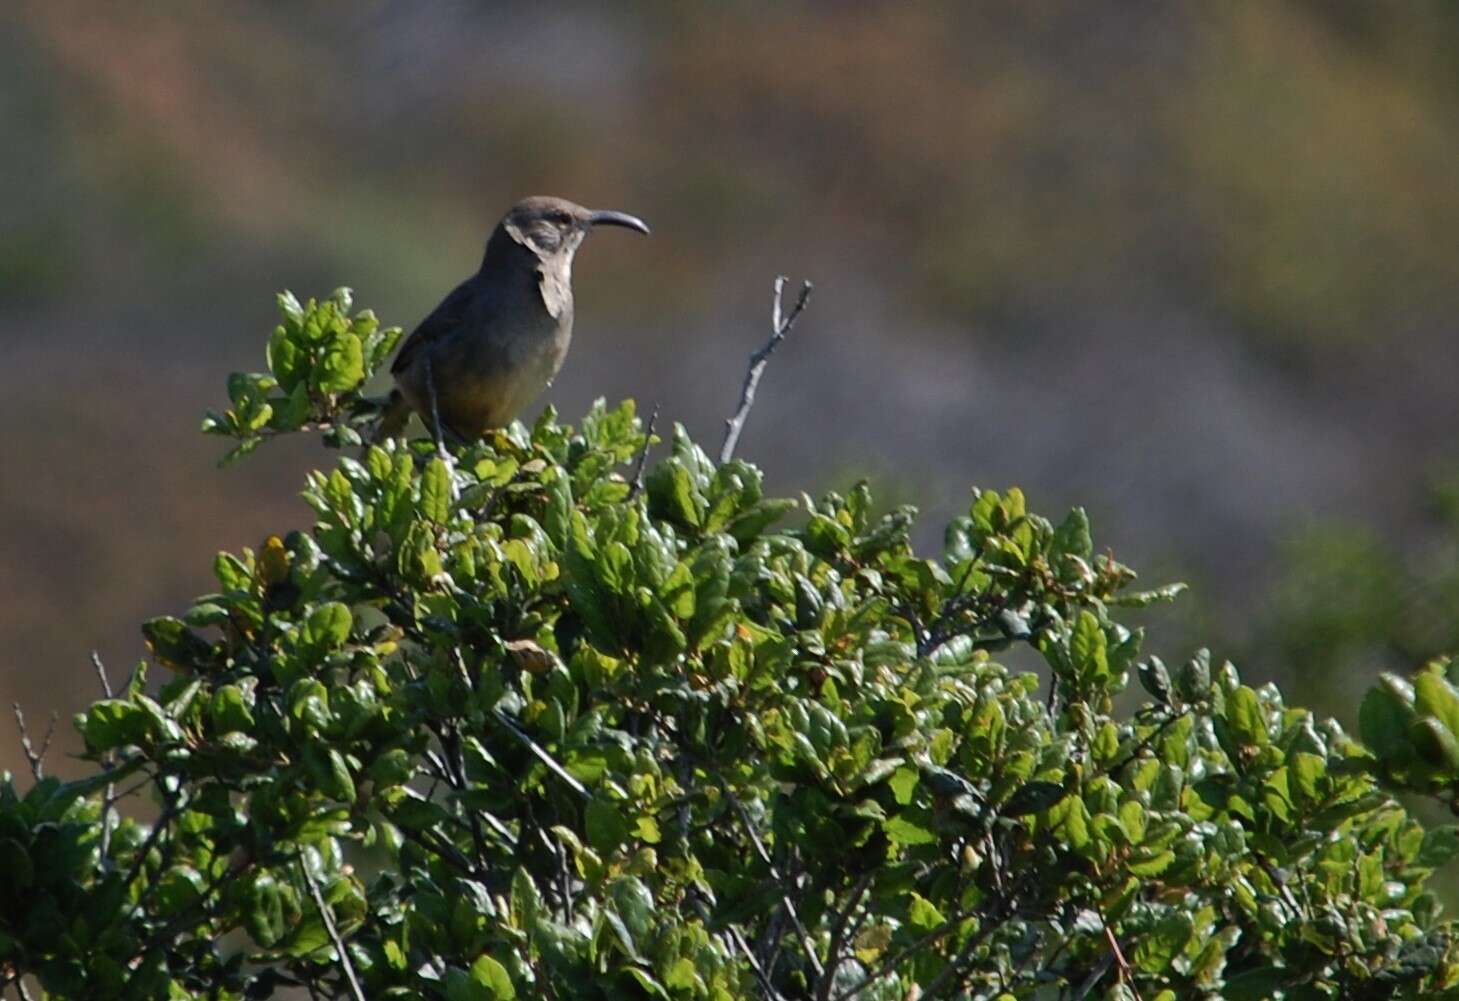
(500,337)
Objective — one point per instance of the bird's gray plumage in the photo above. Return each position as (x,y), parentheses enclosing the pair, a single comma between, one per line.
(498,339)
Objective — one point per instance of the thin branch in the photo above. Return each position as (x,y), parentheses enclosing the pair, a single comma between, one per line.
(950,973)
(169,813)
(1145,742)
(760,974)
(108,796)
(34,757)
(780,326)
(542,755)
(648,439)
(1095,976)
(101,673)
(893,961)
(180,919)
(838,931)
(20,987)
(1126,972)
(805,939)
(455,777)
(329,926)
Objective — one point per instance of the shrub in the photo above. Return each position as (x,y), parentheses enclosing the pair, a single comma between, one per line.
(514,725)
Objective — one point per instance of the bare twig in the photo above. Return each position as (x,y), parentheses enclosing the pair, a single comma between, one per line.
(329,926)
(101,673)
(648,440)
(108,797)
(35,758)
(780,326)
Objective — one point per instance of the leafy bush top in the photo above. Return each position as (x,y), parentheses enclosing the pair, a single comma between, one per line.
(512,726)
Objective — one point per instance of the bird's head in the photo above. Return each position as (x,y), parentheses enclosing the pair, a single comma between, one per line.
(552,228)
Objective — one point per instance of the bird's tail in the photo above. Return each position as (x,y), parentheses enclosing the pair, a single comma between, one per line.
(393,417)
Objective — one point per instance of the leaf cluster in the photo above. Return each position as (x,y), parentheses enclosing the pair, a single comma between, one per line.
(510,726)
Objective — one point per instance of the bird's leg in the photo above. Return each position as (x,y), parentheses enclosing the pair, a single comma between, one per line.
(436,431)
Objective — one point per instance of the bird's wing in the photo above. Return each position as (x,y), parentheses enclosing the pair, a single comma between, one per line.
(446,317)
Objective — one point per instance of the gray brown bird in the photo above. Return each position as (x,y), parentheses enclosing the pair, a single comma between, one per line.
(500,337)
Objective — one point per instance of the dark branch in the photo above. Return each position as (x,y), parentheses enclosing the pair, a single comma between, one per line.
(838,931)
(780,326)
(541,754)
(759,971)
(329,926)
(648,440)
(783,883)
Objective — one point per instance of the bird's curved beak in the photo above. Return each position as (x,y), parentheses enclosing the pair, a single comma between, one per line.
(611,218)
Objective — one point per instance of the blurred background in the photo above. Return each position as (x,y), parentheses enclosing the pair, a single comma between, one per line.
(1190,265)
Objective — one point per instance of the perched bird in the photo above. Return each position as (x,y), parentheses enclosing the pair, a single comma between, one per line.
(501,335)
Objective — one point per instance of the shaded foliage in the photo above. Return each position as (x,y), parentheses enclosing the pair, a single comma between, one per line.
(505,725)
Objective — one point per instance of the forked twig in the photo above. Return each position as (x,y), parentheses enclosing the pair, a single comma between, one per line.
(780,326)
(35,758)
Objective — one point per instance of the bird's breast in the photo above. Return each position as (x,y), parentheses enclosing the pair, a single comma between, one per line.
(499,371)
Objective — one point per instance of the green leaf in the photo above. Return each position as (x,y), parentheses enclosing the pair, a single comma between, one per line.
(604,825)
(1032,797)
(266,912)
(1087,649)
(1307,772)
(635,905)
(341,366)
(1244,715)
(289,308)
(910,827)
(327,627)
(1383,722)
(174,644)
(904,783)
(17,868)
(1157,948)
(230,710)
(672,491)
(286,358)
(923,914)
(435,492)
(1144,599)
(1440,845)
(330,772)
(1071,538)
(1436,744)
(1155,679)
(487,980)
(1434,696)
